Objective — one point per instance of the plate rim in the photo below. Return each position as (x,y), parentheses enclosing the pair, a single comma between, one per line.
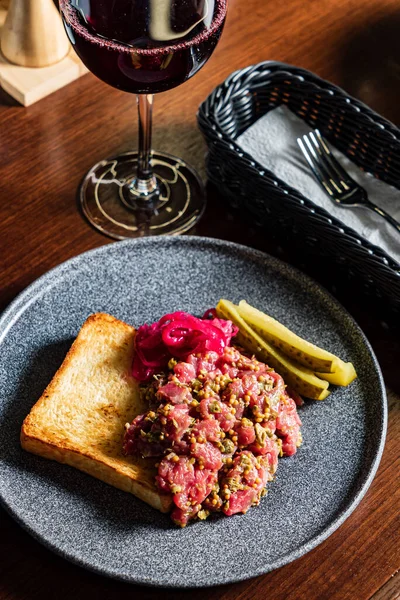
(22,301)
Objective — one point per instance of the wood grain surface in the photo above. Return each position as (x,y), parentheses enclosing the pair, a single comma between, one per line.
(44,152)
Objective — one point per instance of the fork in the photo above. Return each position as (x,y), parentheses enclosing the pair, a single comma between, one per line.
(336,182)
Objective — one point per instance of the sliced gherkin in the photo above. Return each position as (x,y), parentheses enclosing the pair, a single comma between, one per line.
(344,374)
(303,381)
(325,364)
(287,342)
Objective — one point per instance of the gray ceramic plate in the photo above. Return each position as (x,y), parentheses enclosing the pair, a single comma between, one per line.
(112,532)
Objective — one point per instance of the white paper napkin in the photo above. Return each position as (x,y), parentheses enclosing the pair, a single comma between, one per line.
(271,141)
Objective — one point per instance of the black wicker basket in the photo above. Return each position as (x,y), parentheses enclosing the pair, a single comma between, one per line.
(366,138)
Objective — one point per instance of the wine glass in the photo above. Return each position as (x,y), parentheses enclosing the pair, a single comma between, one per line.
(143,47)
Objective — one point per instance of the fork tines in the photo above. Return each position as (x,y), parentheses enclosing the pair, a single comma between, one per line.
(327,170)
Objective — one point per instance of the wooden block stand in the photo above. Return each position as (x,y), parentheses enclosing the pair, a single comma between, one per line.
(28,85)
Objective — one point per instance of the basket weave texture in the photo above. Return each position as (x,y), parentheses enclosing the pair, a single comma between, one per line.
(370,141)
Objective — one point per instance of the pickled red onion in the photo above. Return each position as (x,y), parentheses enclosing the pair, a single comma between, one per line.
(211,313)
(177,335)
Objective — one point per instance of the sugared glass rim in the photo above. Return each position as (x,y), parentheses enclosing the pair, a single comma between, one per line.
(69,14)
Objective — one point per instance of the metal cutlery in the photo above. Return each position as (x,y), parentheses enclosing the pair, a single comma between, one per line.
(334,179)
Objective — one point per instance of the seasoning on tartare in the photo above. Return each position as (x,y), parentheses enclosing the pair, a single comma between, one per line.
(218,419)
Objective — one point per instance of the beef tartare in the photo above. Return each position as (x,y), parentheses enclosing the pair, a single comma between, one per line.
(217,418)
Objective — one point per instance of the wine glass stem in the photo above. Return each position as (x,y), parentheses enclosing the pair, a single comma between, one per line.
(145,183)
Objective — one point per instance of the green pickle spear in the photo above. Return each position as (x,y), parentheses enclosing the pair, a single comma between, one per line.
(344,375)
(325,364)
(303,381)
(286,341)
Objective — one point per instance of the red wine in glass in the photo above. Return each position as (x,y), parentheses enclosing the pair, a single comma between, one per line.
(143,47)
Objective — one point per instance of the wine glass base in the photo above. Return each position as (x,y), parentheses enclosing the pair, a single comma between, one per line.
(111,207)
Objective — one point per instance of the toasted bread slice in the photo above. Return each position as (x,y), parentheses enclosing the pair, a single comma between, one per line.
(79,420)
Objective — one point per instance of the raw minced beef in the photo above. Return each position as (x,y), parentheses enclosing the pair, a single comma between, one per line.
(218,424)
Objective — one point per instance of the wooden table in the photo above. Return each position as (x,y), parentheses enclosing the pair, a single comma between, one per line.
(47,148)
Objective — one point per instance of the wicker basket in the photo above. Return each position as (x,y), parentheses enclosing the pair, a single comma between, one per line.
(366,138)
